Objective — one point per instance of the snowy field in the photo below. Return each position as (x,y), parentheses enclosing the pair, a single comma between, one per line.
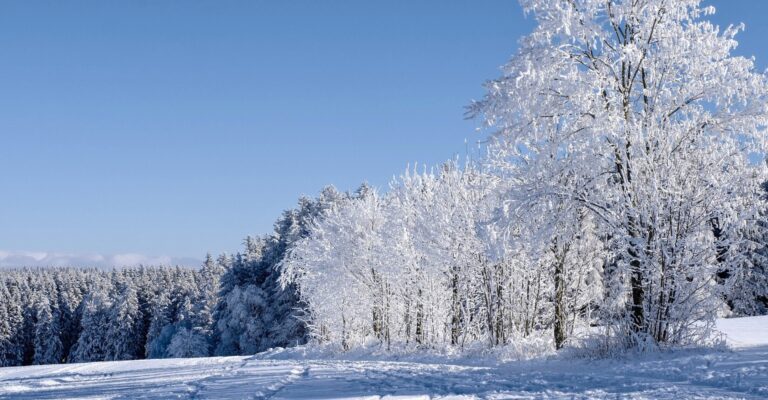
(738,374)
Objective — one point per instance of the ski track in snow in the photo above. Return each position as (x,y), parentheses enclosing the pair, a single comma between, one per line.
(738,374)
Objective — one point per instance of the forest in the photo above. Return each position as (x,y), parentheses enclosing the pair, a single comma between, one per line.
(619,202)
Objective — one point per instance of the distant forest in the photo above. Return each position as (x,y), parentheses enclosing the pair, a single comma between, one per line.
(231,305)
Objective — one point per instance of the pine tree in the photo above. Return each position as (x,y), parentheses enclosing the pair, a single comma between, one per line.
(187,343)
(254,311)
(94,341)
(161,328)
(8,353)
(124,330)
(48,347)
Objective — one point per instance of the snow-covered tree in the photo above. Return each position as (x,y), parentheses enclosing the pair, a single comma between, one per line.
(161,327)
(93,341)
(746,283)
(124,328)
(11,322)
(404,268)
(51,315)
(188,343)
(338,271)
(637,112)
(209,284)
(255,312)
(239,324)
(71,287)
(48,347)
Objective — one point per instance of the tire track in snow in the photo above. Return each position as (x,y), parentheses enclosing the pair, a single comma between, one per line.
(199,386)
(249,379)
(298,372)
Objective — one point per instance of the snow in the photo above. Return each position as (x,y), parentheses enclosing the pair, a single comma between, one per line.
(743,332)
(741,373)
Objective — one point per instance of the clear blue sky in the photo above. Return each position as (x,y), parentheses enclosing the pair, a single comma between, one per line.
(179,127)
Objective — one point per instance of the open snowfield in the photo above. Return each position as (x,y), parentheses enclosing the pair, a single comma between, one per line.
(738,374)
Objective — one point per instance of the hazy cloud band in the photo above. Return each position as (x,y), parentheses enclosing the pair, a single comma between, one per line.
(14,259)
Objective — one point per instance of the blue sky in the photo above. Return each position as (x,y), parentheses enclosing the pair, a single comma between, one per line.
(164,130)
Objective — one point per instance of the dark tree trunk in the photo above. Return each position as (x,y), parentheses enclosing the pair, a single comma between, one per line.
(560,303)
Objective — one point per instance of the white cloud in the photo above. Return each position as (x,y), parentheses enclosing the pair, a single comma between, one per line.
(12,259)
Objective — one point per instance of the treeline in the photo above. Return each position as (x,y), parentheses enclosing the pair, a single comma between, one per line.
(256,310)
(619,202)
(58,315)
(230,306)
(435,263)
(431,264)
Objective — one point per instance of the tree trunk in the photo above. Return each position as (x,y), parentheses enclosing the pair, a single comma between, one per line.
(560,306)
(377,310)
(419,320)
(637,279)
(559,315)
(455,308)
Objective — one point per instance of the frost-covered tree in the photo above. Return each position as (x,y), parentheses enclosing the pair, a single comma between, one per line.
(242,332)
(124,330)
(406,268)
(637,112)
(51,315)
(255,312)
(746,285)
(338,271)
(93,341)
(188,342)
(48,347)
(11,322)
(70,287)
(161,327)
(209,285)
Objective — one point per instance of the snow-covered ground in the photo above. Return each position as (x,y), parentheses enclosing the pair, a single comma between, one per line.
(738,374)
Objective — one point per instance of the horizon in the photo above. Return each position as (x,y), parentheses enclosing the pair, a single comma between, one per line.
(149,133)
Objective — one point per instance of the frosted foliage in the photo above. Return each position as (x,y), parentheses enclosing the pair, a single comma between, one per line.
(423,267)
(617,198)
(636,112)
(123,329)
(58,315)
(48,347)
(188,343)
(92,343)
(254,311)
